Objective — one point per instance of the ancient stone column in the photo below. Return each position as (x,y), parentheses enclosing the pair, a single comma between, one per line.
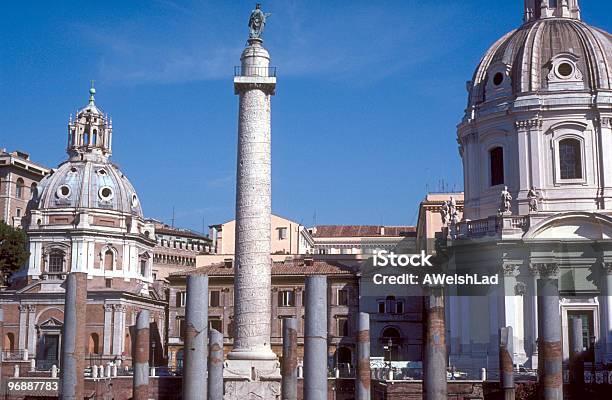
(72,379)
(289,364)
(434,365)
(252,366)
(215,365)
(506,362)
(549,342)
(362,379)
(140,389)
(315,338)
(196,338)
(576,360)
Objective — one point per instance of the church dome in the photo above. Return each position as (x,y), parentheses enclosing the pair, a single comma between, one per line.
(548,53)
(88,185)
(88,180)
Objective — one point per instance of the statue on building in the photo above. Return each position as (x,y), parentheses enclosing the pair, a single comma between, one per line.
(257,22)
(506,198)
(533,198)
(449,213)
(445,213)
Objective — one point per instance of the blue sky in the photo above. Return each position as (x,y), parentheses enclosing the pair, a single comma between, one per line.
(369,94)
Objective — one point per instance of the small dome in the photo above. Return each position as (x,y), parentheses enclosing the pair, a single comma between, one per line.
(90,185)
(549,54)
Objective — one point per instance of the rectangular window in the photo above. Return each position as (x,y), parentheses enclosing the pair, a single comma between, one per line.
(19,212)
(214,298)
(286,298)
(399,307)
(343,299)
(143,267)
(109,282)
(343,326)
(216,324)
(56,262)
(496,158)
(181,327)
(282,233)
(381,307)
(181,299)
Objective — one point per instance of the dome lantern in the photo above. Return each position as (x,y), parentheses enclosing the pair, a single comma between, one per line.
(90,133)
(540,9)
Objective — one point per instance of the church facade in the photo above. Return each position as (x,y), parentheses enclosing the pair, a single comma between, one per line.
(536,147)
(85,217)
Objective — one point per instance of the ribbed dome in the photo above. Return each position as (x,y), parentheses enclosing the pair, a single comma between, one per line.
(88,185)
(539,56)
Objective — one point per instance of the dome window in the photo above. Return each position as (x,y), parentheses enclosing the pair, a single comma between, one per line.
(564,73)
(565,70)
(63,192)
(134,200)
(101,172)
(106,193)
(498,79)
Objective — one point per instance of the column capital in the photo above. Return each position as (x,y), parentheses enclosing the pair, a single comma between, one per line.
(544,270)
(527,124)
(108,307)
(511,269)
(607,267)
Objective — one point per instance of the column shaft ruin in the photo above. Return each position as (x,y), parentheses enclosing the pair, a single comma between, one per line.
(196,338)
(72,380)
(506,362)
(549,342)
(215,365)
(434,368)
(315,339)
(362,379)
(289,364)
(140,389)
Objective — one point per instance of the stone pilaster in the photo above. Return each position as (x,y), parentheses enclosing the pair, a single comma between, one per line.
(23,314)
(108,321)
(118,329)
(32,331)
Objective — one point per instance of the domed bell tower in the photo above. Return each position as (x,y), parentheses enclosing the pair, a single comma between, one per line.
(90,134)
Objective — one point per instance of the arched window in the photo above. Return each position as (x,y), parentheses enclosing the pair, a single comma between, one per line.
(108,260)
(9,341)
(94,344)
(496,161)
(94,139)
(391,340)
(86,139)
(343,356)
(56,261)
(570,159)
(20,186)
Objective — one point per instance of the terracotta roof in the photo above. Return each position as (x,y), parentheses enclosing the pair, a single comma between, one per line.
(180,232)
(362,230)
(290,267)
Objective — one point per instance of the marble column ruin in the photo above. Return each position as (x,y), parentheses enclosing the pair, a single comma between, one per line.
(289,364)
(196,338)
(140,386)
(363,378)
(434,363)
(215,365)
(549,342)
(315,338)
(506,362)
(72,380)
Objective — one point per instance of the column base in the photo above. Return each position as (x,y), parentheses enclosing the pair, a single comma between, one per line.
(249,379)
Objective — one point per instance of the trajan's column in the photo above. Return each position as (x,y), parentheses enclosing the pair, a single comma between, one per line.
(252,368)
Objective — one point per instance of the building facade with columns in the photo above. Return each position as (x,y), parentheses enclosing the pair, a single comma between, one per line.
(86,217)
(536,146)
